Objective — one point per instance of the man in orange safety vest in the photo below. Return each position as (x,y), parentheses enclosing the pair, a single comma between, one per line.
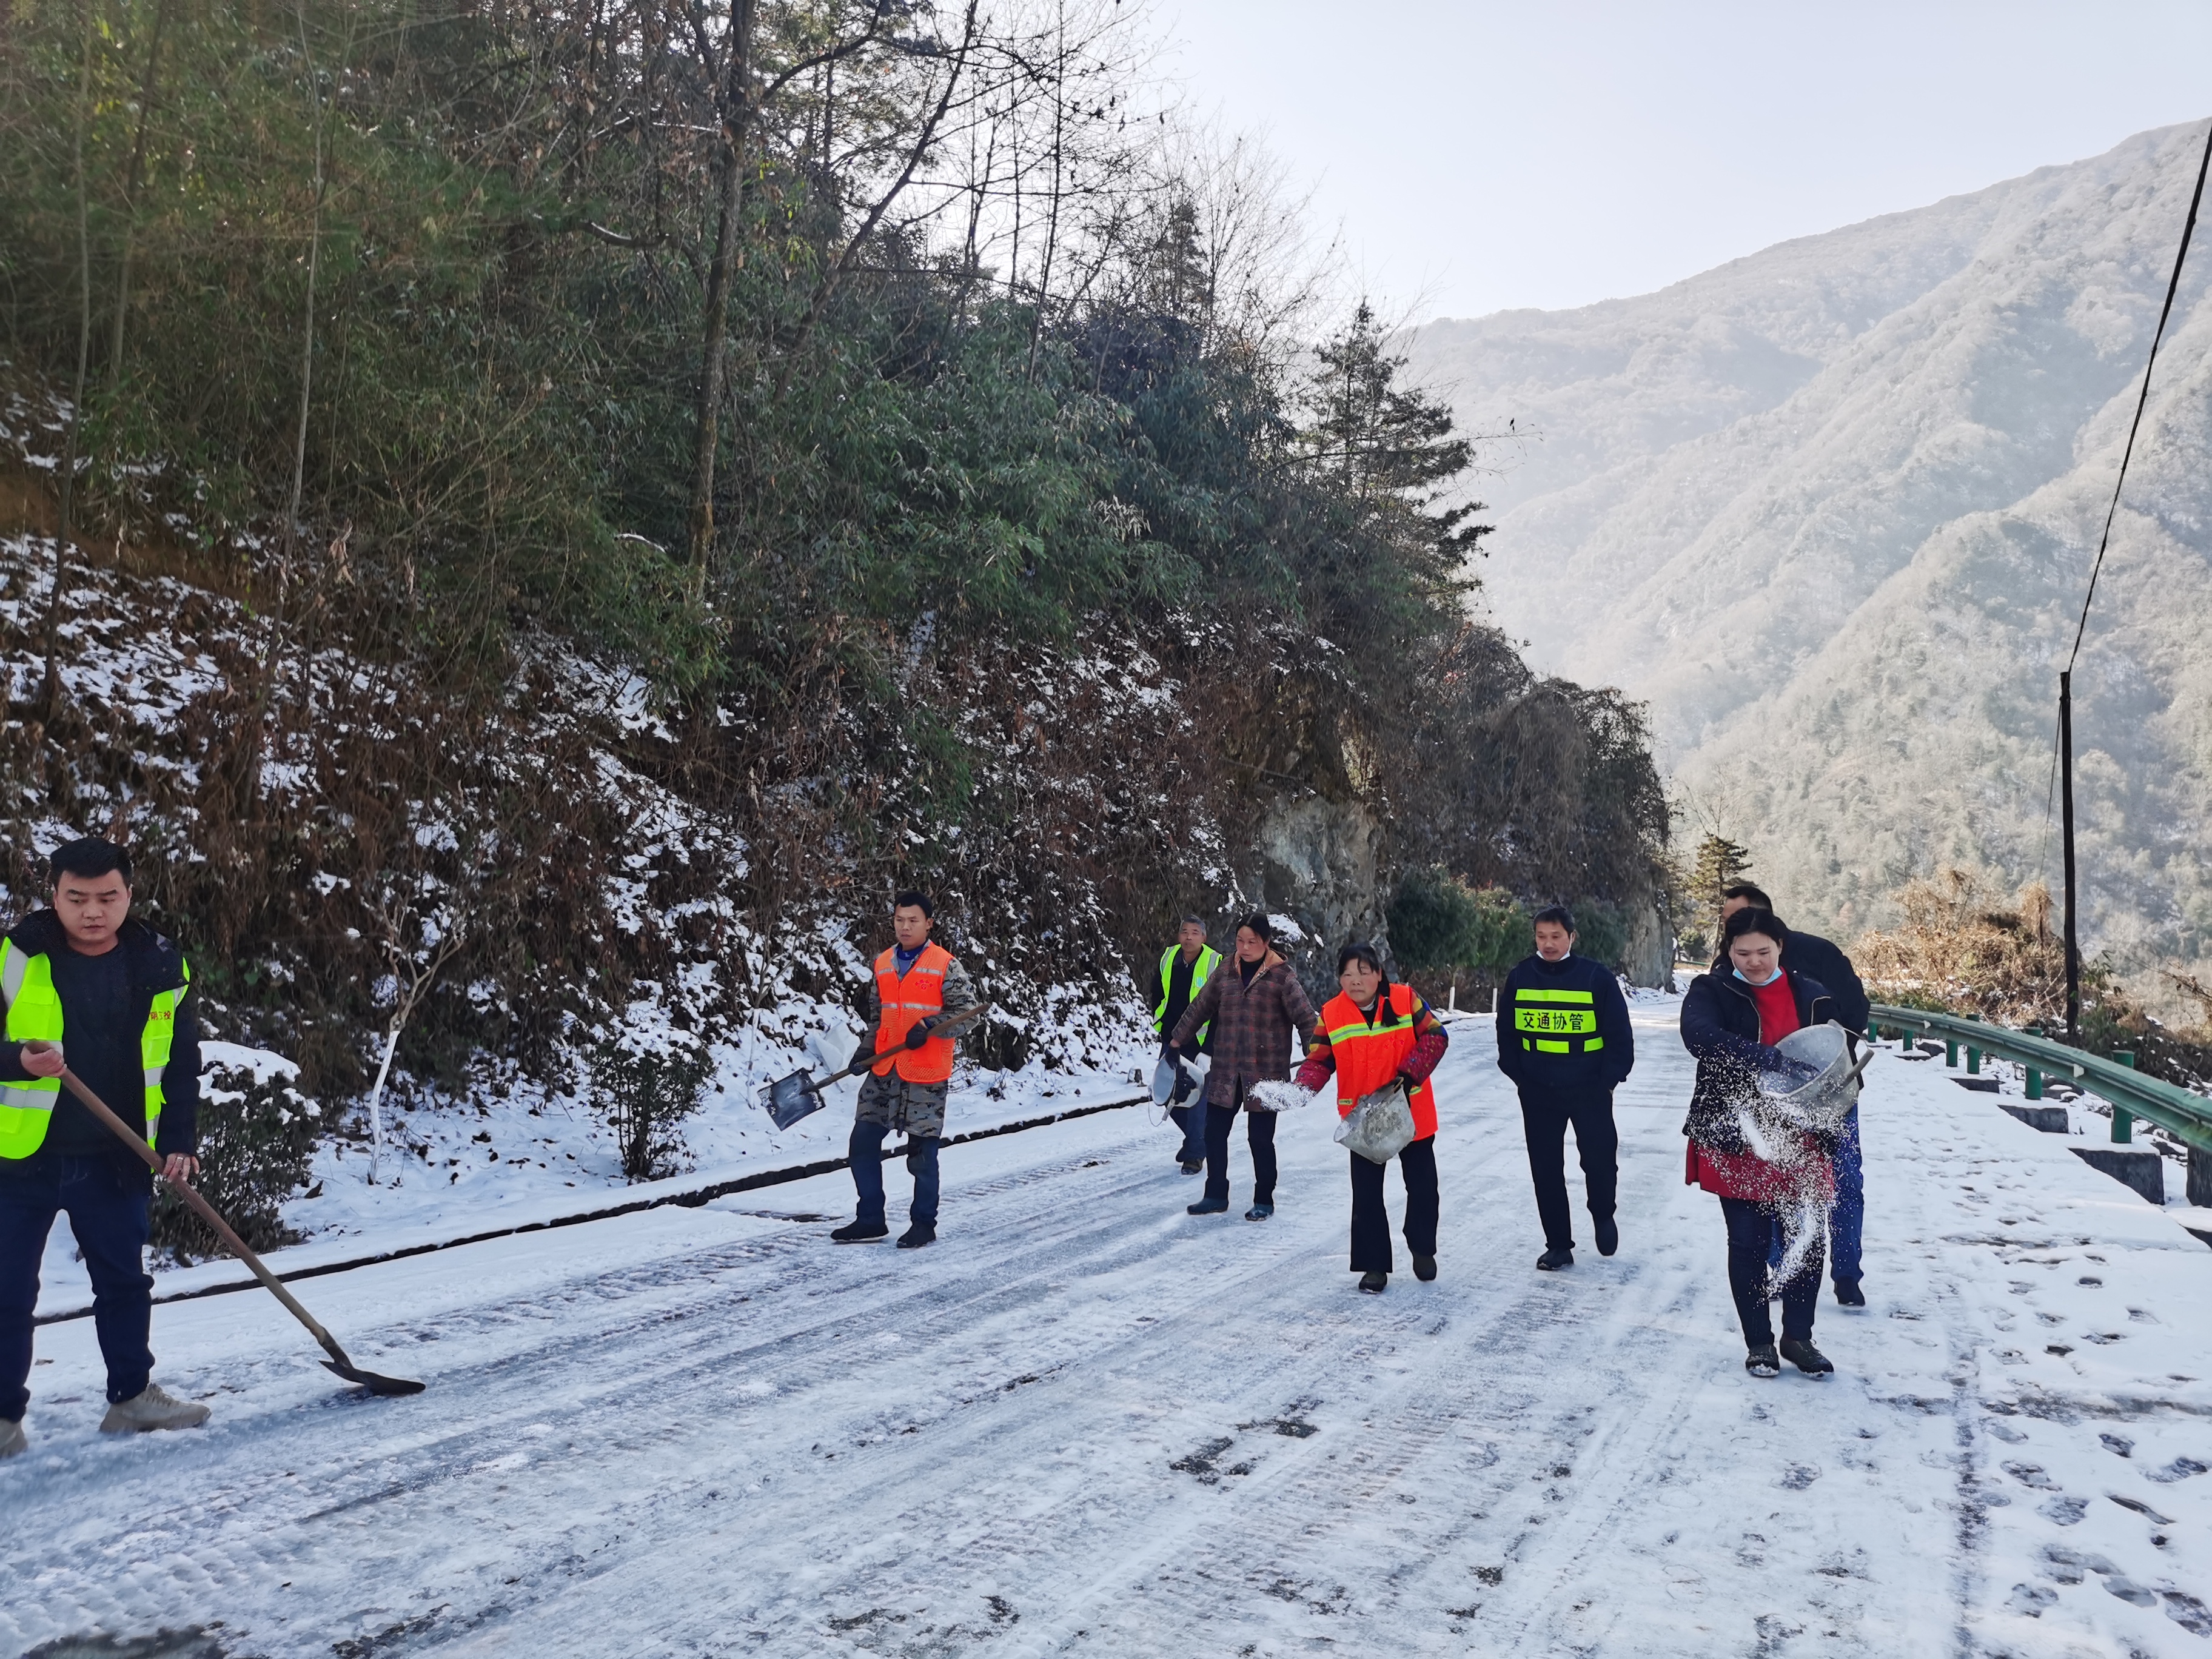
(918,984)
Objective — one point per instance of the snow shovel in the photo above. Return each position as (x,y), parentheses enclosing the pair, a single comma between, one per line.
(791,1098)
(206,1211)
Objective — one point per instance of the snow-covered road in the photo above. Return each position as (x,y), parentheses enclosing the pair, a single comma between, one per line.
(1086,1423)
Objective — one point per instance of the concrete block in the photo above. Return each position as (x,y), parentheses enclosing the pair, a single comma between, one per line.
(1981,1086)
(2141,1169)
(2051,1120)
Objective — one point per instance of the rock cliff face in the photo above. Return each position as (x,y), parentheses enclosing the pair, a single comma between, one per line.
(1831,509)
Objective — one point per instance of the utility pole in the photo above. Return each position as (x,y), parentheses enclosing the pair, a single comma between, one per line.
(2066,798)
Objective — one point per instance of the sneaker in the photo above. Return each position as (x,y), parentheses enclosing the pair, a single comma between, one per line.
(915,1236)
(1259,1213)
(1553,1260)
(1425,1268)
(1848,1293)
(1608,1234)
(1192,1169)
(859,1232)
(12,1441)
(1374,1284)
(1762,1361)
(152,1407)
(1801,1352)
(1208,1206)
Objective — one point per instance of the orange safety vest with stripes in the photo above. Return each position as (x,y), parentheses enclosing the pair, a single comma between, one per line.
(904,999)
(1367,1056)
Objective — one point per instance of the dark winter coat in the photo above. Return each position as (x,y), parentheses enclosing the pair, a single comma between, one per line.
(152,965)
(1571,1075)
(1720,1026)
(1253,1025)
(1825,961)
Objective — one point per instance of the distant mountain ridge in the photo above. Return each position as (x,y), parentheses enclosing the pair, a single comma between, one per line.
(1830,508)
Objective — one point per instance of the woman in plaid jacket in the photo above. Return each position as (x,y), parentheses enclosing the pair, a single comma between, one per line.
(1256,1007)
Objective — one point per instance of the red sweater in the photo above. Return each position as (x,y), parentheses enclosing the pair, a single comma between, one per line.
(1778,1009)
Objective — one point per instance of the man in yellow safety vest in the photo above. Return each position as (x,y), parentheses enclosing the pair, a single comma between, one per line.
(1181,973)
(1563,1038)
(115,996)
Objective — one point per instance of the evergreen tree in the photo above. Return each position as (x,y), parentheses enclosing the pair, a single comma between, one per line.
(1720,862)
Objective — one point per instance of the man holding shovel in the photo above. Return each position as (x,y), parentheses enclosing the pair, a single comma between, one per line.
(918,985)
(83,979)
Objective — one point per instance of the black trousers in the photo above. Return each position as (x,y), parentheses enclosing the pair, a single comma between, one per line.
(1544,1119)
(1259,1132)
(1370,1220)
(107,1203)
(1750,1229)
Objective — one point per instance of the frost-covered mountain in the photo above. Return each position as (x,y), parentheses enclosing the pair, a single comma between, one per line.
(1832,509)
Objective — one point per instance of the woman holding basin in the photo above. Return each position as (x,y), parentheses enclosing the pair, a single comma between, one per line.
(1732,1017)
(1370,1033)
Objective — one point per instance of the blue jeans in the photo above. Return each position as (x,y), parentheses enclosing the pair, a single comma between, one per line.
(1190,1118)
(866,1150)
(108,1205)
(1847,1216)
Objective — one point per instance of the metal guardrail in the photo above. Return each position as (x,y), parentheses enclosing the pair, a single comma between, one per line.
(2185,1115)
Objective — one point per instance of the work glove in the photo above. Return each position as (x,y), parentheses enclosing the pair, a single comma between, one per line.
(919,1033)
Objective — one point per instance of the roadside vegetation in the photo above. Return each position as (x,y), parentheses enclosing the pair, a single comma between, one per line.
(638,483)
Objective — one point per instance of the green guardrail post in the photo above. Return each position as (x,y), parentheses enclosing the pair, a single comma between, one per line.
(2035,1083)
(1974,1062)
(1950,1050)
(2123,1121)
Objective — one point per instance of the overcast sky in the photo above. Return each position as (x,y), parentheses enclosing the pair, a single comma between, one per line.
(1478,155)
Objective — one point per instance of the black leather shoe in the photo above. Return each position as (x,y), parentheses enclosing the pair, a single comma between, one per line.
(917,1235)
(1374,1284)
(1194,1169)
(1608,1235)
(1849,1294)
(1553,1260)
(1259,1213)
(859,1232)
(1806,1358)
(1425,1268)
(1208,1207)
(1763,1361)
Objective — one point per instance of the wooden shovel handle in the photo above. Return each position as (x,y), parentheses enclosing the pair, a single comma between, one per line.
(943,1028)
(201,1207)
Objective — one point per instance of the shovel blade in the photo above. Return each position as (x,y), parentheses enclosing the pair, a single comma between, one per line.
(791,1098)
(391,1387)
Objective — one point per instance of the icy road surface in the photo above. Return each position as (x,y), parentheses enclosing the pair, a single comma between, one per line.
(1085,1422)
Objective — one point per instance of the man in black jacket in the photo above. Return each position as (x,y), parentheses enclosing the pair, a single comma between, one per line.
(116,996)
(1820,959)
(1563,1038)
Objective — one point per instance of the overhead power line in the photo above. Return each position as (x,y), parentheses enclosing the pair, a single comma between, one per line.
(2180,257)
(2142,401)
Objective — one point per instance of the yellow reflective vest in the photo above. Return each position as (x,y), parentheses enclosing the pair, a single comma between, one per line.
(1200,971)
(34,1015)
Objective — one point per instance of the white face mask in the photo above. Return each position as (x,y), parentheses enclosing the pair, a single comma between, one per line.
(1747,979)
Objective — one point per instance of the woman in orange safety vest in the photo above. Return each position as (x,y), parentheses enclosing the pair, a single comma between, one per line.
(1371,1032)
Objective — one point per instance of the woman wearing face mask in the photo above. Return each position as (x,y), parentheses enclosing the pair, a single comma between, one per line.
(1252,1004)
(1370,1032)
(1732,1017)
